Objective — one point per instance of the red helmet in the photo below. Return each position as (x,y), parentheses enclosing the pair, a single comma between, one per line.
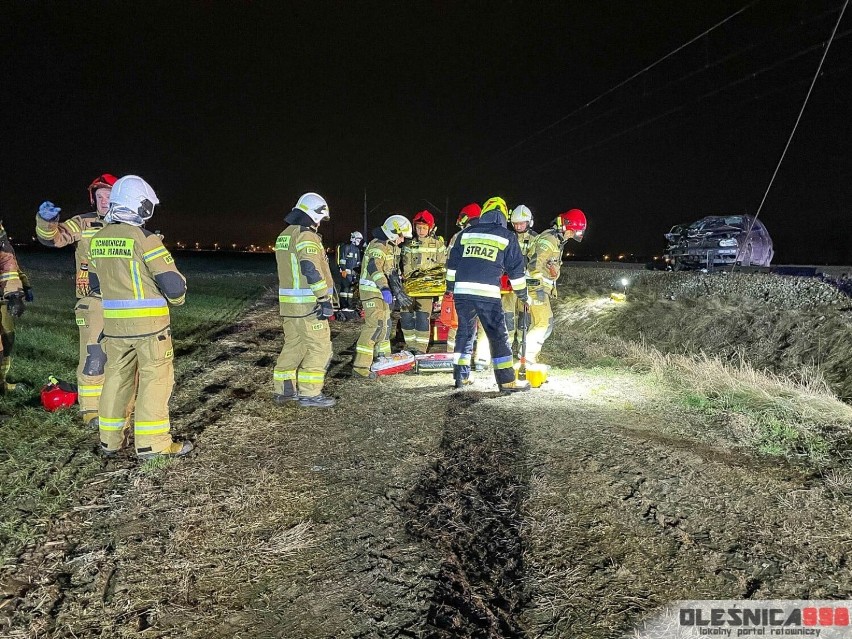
(468,213)
(573,220)
(426,218)
(58,395)
(104,181)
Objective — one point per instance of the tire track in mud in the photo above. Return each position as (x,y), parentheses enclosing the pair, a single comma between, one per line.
(469,508)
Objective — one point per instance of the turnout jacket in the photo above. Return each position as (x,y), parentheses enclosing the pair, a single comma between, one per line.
(348,257)
(419,255)
(480,256)
(304,276)
(137,278)
(381,258)
(10,274)
(545,260)
(525,240)
(78,230)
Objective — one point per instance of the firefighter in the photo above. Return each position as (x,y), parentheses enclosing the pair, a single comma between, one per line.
(522,221)
(349,264)
(137,280)
(424,251)
(14,291)
(545,262)
(379,285)
(305,299)
(468,216)
(79,230)
(478,259)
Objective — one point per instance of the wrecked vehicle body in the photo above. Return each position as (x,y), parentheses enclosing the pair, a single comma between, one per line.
(718,241)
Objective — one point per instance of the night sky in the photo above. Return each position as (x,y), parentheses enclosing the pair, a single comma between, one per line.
(232,109)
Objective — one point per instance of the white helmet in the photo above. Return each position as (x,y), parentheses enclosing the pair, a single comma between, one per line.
(397,225)
(134,194)
(356,238)
(521,213)
(314,205)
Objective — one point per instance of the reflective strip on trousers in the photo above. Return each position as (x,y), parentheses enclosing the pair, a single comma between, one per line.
(152,428)
(90,391)
(111,423)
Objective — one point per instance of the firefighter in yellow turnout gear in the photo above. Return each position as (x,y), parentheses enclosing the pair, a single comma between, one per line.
(545,263)
(137,279)
(13,291)
(421,253)
(521,219)
(379,285)
(305,289)
(79,230)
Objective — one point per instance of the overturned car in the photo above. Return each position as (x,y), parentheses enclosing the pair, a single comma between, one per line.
(718,241)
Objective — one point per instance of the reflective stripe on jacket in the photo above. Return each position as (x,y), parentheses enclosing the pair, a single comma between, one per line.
(304,277)
(545,260)
(423,254)
(78,230)
(479,257)
(380,259)
(137,278)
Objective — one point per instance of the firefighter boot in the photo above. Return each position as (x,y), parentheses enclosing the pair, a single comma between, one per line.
(177,449)
(317,401)
(514,387)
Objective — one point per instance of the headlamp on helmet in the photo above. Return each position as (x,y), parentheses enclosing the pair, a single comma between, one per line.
(468,213)
(573,220)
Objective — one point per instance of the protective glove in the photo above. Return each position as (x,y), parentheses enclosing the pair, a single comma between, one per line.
(15,304)
(28,294)
(522,295)
(387,296)
(48,211)
(404,300)
(344,273)
(541,295)
(324,310)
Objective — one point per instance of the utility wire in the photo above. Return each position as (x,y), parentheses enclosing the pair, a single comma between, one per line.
(718,62)
(742,79)
(620,84)
(793,132)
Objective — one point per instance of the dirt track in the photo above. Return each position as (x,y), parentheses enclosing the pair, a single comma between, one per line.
(411,510)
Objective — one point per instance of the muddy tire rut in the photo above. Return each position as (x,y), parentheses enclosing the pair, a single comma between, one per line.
(414,510)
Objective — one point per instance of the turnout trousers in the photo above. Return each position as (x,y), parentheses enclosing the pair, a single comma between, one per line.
(515,319)
(541,327)
(415,324)
(304,359)
(7,343)
(152,358)
(347,295)
(375,335)
(491,318)
(89,315)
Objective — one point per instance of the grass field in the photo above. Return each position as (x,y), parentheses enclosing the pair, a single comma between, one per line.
(45,457)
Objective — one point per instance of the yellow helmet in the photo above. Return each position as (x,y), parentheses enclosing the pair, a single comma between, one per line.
(496,203)
(397,225)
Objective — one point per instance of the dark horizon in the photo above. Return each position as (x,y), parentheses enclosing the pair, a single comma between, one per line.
(231,111)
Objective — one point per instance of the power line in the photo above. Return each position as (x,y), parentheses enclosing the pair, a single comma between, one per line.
(619,85)
(793,132)
(749,76)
